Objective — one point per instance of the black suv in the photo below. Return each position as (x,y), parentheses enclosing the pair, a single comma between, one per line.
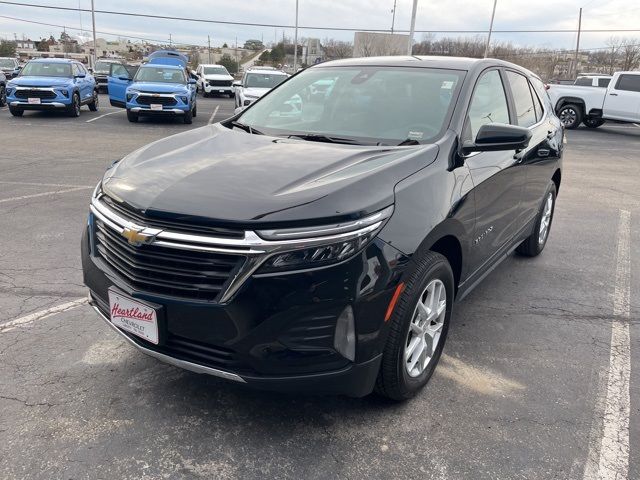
(316,241)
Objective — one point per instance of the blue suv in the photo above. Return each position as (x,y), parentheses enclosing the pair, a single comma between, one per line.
(52,84)
(160,87)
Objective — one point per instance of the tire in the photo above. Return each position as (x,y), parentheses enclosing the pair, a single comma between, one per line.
(132,117)
(95,104)
(570,115)
(16,112)
(73,110)
(396,380)
(232,95)
(188,117)
(592,122)
(195,110)
(536,242)
(3,96)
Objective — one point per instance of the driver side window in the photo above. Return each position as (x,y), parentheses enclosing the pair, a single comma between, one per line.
(488,103)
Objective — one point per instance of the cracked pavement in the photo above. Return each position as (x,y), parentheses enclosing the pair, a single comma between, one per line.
(518,393)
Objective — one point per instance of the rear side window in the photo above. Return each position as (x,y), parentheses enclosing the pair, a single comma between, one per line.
(525,110)
(604,82)
(489,102)
(584,81)
(630,83)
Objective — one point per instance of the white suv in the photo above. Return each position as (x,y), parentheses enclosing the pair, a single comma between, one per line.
(214,79)
(255,83)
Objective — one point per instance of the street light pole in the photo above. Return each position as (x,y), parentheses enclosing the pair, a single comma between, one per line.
(493,14)
(575,59)
(295,43)
(393,19)
(412,31)
(93,21)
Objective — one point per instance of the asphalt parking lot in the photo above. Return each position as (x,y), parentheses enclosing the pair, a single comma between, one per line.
(523,390)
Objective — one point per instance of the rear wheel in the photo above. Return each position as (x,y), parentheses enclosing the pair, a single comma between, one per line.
(593,122)
(132,117)
(570,115)
(16,112)
(73,110)
(95,103)
(3,96)
(535,243)
(418,329)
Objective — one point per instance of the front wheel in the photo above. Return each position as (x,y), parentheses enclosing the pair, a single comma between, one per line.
(535,243)
(3,96)
(419,326)
(132,117)
(73,110)
(16,112)
(593,122)
(188,117)
(570,115)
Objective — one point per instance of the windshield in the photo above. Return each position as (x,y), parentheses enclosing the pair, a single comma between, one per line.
(46,69)
(215,71)
(367,105)
(264,80)
(102,67)
(7,63)
(160,75)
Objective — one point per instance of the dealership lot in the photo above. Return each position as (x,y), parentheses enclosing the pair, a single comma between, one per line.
(521,392)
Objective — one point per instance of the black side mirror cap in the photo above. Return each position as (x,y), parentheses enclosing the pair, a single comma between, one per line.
(494,137)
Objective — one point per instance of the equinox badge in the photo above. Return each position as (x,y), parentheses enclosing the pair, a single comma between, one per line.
(140,236)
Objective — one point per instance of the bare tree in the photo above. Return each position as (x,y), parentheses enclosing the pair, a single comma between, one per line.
(630,53)
(336,49)
(614,43)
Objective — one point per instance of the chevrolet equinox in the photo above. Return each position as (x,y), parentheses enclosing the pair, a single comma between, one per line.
(316,240)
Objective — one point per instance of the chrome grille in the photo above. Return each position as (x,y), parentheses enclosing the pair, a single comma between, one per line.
(166,271)
(220,83)
(35,94)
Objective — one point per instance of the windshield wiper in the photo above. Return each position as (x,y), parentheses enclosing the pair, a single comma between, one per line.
(246,128)
(409,141)
(318,137)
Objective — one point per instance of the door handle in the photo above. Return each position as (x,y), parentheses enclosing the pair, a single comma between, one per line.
(543,152)
(613,94)
(551,134)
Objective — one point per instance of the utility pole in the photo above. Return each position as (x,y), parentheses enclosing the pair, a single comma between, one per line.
(209,48)
(93,23)
(413,27)
(237,62)
(493,14)
(295,43)
(170,41)
(575,58)
(393,19)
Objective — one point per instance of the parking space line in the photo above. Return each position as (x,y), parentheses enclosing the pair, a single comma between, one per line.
(36,184)
(614,445)
(104,115)
(44,194)
(213,115)
(32,317)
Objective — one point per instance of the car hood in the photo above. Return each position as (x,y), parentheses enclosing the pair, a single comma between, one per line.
(159,87)
(255,92)
(233,178)
(27,81)
(218,77)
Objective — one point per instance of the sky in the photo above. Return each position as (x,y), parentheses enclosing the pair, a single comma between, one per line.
(372,14)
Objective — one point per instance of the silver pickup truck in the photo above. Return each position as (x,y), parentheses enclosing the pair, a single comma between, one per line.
(619,101)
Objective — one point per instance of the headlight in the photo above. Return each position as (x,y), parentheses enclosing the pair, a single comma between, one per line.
(184,99)
(65,92)
(312,247)
(129,96)
(97,189)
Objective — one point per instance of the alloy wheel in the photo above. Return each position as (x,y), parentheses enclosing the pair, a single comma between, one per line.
(545,221)
(426,328)
(568,116)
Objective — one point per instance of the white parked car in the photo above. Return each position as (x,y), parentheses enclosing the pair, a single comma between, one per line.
(587,80)
(255,83)
(619,101)
(214,80)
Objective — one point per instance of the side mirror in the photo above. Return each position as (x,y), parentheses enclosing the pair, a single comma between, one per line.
(237,83)
(90,70)
(494,137)
(81,75)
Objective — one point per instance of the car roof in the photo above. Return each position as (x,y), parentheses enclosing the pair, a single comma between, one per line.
(452,63)
(173,67)
(54,60)
(266,71)
(211,65)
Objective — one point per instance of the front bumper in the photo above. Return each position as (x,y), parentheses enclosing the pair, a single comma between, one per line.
(38,106)
(213,89)
(164,111)
(277,332)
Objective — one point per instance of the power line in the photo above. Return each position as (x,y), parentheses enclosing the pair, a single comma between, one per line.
(310,27)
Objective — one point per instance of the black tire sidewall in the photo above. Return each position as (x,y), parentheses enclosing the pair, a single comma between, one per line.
(578,115)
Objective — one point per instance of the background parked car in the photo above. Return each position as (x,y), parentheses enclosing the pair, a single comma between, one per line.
(52,84)
(255,83)
(593,80)
(101,71)
(214,79)
(3,89)
(10,67)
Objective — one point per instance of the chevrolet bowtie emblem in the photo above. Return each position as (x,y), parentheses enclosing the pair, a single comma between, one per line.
(140,236)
